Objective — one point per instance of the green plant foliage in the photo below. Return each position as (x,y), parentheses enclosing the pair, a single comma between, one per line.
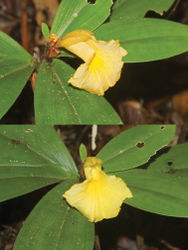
(45,30)
(34,156)
(132,9)
(31,157)
(173,162)
(83,152)
(80,15)
(16,66)
(160,193)
(162,188)
(135,146)
(147,39)
(64,104)
(54,225)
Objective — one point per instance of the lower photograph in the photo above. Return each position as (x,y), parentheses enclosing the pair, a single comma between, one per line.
(93,187)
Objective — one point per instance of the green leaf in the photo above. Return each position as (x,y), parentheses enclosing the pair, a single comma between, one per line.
(54,225)
(79,14)
(83,152)
(162,188)
(147,39)
(31,157)
(157,193)
(45,30)
(15,68)
(172,162)
(64,104)
(132,9)
(135,146)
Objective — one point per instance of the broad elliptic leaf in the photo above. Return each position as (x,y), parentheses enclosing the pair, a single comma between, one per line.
(147,39)
(54,225)
(161,193)
(135,146)
(80,14)
(31,157)
(132,9)
(16,65)
(57,102)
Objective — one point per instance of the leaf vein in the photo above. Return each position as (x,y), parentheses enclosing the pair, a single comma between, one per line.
(67,95)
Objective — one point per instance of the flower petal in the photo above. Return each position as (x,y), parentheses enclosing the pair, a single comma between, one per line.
(76,42)
(103,61)
(99,196)
(103,71)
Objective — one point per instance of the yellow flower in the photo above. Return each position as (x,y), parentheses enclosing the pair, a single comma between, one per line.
(100,195)
(53,38)
(103,61)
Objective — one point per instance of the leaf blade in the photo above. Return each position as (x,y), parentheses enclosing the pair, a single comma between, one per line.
(31,157)
(16,65)
(45,30)
(133,9)
(79,15)
(173,161)
(65,104)
(147,39)
(157,193)
(134,146)
(45,229)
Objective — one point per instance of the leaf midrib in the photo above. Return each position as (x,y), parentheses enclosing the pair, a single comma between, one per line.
(67,95)
(154,191)
(61,226)
(16,70)
(127,149)
(63,30)
(151,38)
(27,146)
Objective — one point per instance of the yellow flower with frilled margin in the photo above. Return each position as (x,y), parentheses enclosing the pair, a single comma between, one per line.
(100,196)
(103,61)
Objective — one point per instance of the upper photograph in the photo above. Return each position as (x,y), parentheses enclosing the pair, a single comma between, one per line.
(93,62)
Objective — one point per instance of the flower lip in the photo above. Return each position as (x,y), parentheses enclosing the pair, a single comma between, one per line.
(100,196)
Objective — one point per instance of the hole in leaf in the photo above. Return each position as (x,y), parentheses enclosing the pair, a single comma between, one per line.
(140,144)
(91,1)
(162,127)
(170,163)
